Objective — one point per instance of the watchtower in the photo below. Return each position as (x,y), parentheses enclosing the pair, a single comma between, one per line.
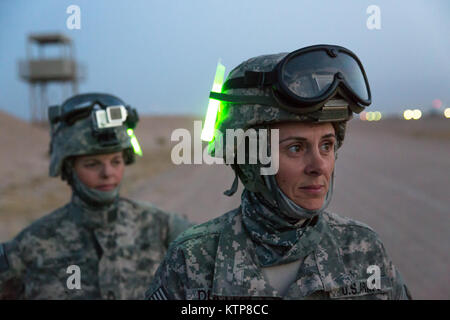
(40,71)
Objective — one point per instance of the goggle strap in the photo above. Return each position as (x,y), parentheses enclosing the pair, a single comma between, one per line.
(251,79)
(327,114)
(73,117)
(242,99)
(356,108)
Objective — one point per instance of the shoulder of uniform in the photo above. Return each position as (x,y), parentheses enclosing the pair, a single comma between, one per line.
(337,221)
(39,233)
(206,230)
(146,211)
(350,230)
(45,226)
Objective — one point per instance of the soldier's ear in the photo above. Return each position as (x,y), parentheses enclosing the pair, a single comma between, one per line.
(67,170)
(128,156)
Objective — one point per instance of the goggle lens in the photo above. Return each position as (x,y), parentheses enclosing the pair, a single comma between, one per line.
(311,74)
(85,101)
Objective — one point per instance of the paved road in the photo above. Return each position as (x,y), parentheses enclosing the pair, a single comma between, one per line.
(396,183)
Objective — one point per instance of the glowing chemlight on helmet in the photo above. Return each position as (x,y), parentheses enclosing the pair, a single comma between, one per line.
(213,105)
(134,142)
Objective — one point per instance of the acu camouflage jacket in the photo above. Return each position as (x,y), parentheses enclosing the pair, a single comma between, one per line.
(217,260)
(116,256)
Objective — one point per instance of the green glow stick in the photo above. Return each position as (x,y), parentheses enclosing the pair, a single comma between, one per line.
(134,142)
(213,105)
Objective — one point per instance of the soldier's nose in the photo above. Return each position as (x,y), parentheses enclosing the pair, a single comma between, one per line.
(107,171)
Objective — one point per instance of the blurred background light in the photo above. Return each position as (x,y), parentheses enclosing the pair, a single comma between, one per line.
(377,116)
(437,104)
(447,112)
(363,116)
(408,114)
(417,114)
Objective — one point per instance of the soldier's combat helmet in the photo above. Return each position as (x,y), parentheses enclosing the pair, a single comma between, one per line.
(92,123)
(322,83)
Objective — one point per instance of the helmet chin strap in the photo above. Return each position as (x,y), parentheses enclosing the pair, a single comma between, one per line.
(92,197)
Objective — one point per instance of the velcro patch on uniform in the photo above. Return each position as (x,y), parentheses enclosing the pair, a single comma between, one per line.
(359,288)
(159,294)
(4,265)
(199,294)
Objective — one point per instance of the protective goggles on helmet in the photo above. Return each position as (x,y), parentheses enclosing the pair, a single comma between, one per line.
(305,80)
(106,110)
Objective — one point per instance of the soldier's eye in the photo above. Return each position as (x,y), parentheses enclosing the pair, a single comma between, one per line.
(327,146)
(117,162)
(295,148)
(92,164)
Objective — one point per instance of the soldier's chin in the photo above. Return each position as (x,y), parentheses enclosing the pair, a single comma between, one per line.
(313,204)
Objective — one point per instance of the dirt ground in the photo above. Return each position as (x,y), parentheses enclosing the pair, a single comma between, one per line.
(392,175)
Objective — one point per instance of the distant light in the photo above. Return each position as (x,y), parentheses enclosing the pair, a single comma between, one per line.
(408,114)
(370,116)
(437,104)
(417,114)
(447,113)
(363,116)
(377,116)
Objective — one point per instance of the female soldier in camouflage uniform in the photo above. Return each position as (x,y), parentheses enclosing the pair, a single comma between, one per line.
(281,243)
(98,246)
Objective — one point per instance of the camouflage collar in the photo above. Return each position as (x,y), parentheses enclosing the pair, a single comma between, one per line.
(278,239)
(237,274)
(90,217)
